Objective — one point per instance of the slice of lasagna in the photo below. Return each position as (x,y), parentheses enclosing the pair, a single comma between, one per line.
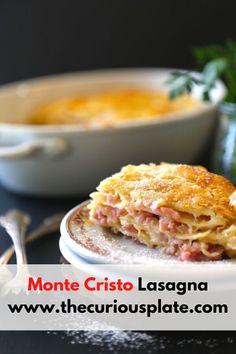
(187,210)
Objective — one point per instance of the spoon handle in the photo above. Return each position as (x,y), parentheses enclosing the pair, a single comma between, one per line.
(15,222)
(18,240)
(49,225)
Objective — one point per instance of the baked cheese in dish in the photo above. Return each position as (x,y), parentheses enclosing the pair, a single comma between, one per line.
(110,108)
(187,210)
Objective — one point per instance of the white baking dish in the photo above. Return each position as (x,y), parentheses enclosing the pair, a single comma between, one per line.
(69,160)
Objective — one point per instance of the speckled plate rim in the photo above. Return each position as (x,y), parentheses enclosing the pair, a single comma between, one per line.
(77,248)
(220,268)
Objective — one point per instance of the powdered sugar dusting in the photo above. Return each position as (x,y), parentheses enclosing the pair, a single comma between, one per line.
(140,342)
(114,341)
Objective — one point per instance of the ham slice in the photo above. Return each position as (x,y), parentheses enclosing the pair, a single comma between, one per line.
(167,212)
(193,252)
(144,216)
(107,215)
(169,224)
(130,229)
(166,225)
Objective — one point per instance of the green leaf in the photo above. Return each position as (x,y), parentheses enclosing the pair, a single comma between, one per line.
(231,47)
(213,70)
(218,62)
(181,83)
(206,95)
(206,54)
(175,92)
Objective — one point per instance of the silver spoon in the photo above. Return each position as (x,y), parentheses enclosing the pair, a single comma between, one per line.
(49,225)
(15,223)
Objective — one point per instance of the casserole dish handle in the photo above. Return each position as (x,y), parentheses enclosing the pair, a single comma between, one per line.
(49,147)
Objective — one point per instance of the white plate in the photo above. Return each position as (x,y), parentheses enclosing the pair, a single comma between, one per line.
(70,256)
(95,244)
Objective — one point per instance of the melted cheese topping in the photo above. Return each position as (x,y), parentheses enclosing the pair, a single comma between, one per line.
(111,108)
(184,202)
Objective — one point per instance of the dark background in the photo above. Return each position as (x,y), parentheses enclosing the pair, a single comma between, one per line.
(39,37)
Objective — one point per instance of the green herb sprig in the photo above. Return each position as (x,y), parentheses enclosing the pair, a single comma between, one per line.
(217,62)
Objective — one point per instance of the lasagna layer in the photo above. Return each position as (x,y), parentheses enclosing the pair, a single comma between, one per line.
(187,210)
